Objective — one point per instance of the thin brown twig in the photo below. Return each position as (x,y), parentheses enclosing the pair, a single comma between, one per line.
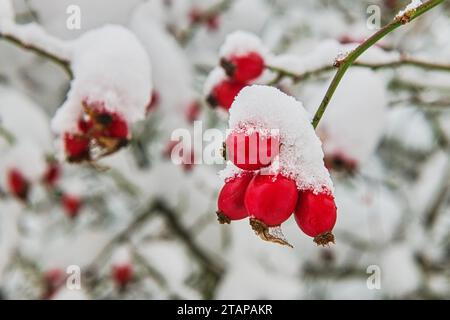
(402,61)
(65,64)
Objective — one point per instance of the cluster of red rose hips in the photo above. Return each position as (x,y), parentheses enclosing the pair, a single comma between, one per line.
(100,132)
(240,68)
(270,199)
(19,186)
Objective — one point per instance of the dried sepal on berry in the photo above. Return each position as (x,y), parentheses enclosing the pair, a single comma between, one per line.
(270,234)
(316,216)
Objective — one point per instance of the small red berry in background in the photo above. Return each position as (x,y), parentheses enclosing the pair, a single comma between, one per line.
(18,185)
(213,22)
(195,16)
(230,203)
(316,216)
(186,156)
(192,111)
(71,204)
(252,151)
(154,102)
(167,152)
(271,199)
(53,280)
(52,174)
(122,274)
(243,68)
(223,93)
(76,147)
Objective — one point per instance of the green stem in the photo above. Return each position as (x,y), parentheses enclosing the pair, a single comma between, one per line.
(345,63)
(8,136)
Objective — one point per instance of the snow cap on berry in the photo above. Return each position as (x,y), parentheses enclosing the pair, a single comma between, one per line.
(301,156)
(111,68)
(122,255)
(240,43)
(216,76)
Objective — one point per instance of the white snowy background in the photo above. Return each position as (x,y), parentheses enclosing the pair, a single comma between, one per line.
(158,217)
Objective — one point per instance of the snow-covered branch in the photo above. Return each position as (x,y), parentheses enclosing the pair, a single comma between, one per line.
(34,38)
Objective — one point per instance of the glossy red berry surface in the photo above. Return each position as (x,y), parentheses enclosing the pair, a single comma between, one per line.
(223,94)
(252,151)
(316,216)
(231,198)
(271,198)
(244,68)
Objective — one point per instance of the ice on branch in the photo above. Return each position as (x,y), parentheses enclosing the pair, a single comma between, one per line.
(110,90)
(411,7)
(300,157)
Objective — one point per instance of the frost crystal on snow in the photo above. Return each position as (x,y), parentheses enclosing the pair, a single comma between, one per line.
(110,67)
(301,156)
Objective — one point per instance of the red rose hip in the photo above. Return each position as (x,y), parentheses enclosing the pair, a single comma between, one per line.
(18,185)
(243,68)
(252,151)
(223,94)
(71,204)
(316,215)
(52,174)
(231,198)
(76,147)
(271,199)
(122,274)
